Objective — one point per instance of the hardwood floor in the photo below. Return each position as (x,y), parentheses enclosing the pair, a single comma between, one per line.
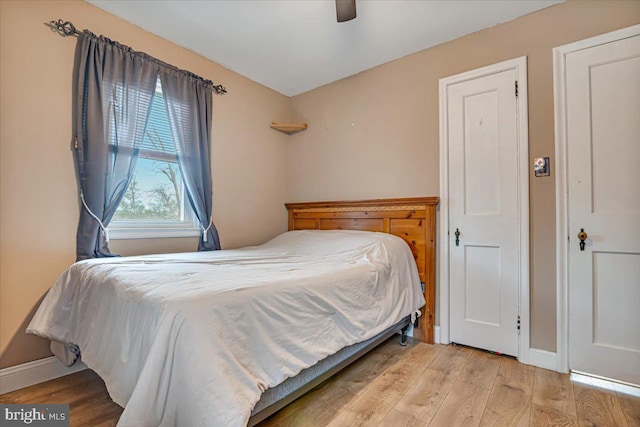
(417,385)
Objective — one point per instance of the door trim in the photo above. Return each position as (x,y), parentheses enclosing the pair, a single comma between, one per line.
(520,65)
(562,210)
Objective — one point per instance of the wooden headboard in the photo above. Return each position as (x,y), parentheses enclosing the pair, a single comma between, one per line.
(412,219)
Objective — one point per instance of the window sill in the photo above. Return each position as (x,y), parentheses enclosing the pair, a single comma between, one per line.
(124,233)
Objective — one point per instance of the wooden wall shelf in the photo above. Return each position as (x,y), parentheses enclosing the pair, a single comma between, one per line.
(289,128)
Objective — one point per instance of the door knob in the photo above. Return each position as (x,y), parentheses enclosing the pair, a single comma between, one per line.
(582,236)
(457,234)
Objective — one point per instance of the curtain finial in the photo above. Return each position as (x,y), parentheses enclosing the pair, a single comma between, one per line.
(64,28)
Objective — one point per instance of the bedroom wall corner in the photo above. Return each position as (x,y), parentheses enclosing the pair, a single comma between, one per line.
(38,205)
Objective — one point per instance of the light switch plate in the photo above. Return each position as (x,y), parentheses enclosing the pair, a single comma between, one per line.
(542,166)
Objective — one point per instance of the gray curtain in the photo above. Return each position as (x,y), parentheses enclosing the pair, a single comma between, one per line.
(115,88)
(188,101)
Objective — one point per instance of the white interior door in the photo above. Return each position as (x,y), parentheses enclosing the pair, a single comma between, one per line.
(483,179)
(603,178)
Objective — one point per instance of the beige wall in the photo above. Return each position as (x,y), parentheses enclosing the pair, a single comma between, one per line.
(38,207)
(371,135)
(375,134)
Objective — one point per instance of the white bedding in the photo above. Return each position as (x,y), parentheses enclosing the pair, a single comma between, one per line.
(193,339)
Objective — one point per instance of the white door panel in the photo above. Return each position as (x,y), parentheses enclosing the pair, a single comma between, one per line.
(483,206)
(481,286)
(603,155)
(615,313)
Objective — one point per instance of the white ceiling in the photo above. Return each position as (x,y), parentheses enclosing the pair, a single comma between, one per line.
(293,46)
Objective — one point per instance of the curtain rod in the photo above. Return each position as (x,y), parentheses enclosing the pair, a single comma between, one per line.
(66,29)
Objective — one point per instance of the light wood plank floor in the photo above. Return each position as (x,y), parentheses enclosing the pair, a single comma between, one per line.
(417,385)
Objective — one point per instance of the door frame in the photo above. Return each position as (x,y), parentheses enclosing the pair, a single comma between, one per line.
(562,209)
(520,65)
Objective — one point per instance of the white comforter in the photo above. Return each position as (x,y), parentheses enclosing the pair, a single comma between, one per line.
(193,339)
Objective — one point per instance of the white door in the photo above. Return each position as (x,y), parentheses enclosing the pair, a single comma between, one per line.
(603,179)
(482,129)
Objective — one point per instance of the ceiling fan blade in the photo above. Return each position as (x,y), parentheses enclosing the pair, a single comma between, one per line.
(346,10)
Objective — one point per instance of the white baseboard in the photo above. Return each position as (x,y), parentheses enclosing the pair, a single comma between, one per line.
(38,371)
(542,359)
(436,334)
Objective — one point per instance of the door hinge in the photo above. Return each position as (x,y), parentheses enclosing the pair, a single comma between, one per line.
(518,324)
(516,88)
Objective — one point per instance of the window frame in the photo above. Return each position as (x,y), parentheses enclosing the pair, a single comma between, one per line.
(188,226)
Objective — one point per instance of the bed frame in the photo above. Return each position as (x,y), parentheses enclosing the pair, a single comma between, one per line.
(413,220)
(274,399)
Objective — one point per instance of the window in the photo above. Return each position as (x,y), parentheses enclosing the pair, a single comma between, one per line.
(155,203)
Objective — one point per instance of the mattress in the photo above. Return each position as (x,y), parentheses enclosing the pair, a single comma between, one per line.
(197,338)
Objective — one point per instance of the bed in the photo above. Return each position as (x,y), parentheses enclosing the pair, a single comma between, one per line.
(225,337)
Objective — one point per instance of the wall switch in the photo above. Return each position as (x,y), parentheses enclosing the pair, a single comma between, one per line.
(542,166)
